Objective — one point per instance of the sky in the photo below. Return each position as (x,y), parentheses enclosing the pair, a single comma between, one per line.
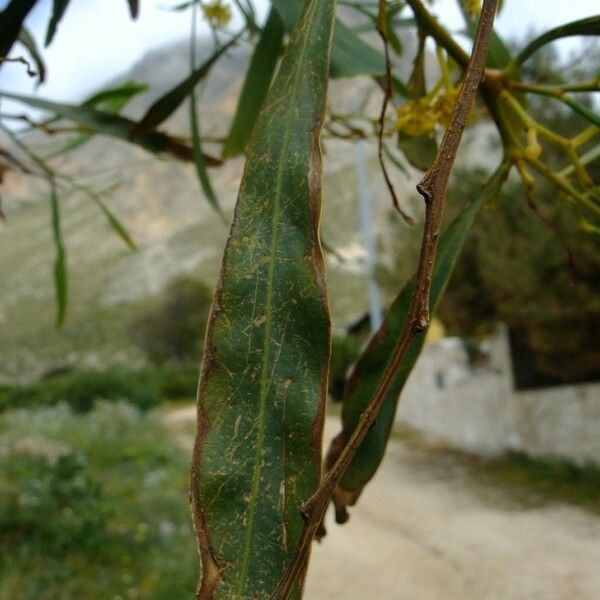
(97,40)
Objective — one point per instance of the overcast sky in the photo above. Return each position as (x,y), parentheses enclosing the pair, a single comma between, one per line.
(97,40)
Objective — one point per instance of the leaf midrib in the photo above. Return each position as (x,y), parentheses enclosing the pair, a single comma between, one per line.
(264,383)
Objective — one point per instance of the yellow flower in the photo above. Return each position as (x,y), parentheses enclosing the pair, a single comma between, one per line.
(416,117)
(473,7)
(217,13)
(444,105)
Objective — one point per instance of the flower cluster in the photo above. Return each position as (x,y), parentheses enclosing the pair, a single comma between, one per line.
(217,13)
(473,7)
(418,117)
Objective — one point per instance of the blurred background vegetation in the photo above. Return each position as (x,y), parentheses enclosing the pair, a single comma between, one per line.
(93,454)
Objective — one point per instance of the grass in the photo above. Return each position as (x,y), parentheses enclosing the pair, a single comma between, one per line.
(93,506)
(533,482)
(145,387)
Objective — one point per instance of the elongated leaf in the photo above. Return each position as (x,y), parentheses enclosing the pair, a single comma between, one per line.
(114,126)
(113,222)
(11,21)
(350,55)
(111,100)
(134,8)
(589,26)
(201,170)
(498,55)
(58,10)
(27,40)
(264,377)
(584,111)
(166,105)
(60,267)
(370,366)
(199,162)
(419,150)
(256,85)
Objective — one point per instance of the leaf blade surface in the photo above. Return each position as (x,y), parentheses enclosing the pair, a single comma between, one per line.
(370,366)
(263,383)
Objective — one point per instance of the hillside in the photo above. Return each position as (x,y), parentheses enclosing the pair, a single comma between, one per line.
(160,203)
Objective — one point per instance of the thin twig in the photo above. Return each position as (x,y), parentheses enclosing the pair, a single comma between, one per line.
(433,188)
(388,92)
(21,60)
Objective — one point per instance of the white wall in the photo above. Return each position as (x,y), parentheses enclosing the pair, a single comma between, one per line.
(477,409)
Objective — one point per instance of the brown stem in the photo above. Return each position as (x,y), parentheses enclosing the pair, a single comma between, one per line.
(433,188)
(388,92)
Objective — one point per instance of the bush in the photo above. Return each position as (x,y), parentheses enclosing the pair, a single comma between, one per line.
(79,389)
(177,381)
(50,501)
(93,506)
(144,388)
(173,328)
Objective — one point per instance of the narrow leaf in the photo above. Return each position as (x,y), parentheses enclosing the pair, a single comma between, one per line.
(165,106)
(201,170)
(58,10)
(420,150)
(199,161)
(589,26)
(498,55)
(256,85)
(114,126)
(264,377)
(111,100)
(116,225)
(134,8)
(60,268)
(29,42)
(584,111)
(350,55)
(370,366)
(11,21)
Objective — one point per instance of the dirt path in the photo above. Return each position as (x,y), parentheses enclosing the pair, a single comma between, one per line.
(422,531)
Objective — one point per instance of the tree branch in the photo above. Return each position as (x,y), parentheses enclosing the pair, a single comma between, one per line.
(433,188)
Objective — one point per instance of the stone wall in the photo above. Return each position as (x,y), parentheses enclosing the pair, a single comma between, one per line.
(477,409)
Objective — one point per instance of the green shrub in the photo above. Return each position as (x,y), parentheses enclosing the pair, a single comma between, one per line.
(80,389)
(93,506)
(178,381)
(50,501)
(144,388)
(172,329)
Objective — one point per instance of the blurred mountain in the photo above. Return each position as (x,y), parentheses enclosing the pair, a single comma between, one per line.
(160,203)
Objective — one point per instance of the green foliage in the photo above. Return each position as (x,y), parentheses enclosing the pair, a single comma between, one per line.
(261,397)
(11,21)
(145,388)
(93,506)
(554,307)
(50,501)
(345,349)
(80,389)
(172,329)
(368,370)
(256,85)
(264,372)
